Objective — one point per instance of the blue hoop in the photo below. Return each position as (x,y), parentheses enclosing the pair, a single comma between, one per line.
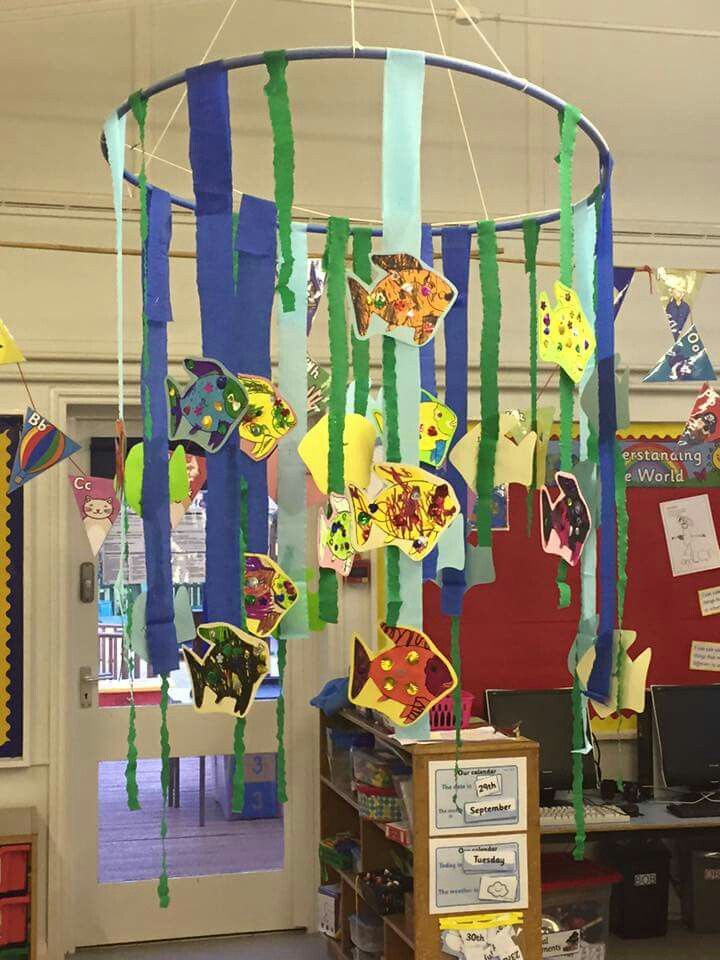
(431,60)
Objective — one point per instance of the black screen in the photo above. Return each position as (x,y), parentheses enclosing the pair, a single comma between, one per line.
(545,716)
(688,726)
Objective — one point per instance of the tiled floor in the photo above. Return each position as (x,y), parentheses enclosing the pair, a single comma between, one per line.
(267,946)
(129,840)
(680,944)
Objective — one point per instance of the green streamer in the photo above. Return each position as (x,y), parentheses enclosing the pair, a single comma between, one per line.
(362,267)
(456,659)
(131,786)
(163,889)
(276,92)
(578,740)
(531,236)
(334,262)
(489,397)
(238,781)
(393,600)
(622,545)
(280,716)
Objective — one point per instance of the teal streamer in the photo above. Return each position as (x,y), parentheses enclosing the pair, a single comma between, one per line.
(280,718)
(238,782)
(131,785)
(163,888)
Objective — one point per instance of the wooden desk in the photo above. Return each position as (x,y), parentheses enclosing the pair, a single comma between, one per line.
(655,817)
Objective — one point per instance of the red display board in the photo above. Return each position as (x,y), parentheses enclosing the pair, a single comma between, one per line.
(513,636)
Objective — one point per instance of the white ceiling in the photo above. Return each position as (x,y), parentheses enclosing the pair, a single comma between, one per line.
(65,64)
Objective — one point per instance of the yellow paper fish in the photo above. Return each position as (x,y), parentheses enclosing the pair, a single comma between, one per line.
(410,295)
(410,513)
(267,419)
(438,424)
(564,335)
(358,443)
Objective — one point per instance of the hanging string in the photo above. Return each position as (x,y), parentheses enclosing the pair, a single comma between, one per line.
(238,781)
(276,92)
(280,719)
(482,36)
(362,267)
(163,889)
(531,235)
(451,78)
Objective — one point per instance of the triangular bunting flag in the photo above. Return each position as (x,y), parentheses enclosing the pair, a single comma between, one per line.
(678,289)
(98,505)
(687,359)
(622,277)
(41,446)
(703,424)
(9,350)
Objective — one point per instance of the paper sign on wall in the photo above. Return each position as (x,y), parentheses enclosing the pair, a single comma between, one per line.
(480,797)
(705,656)
(499,883)
(709,601)
(690,535)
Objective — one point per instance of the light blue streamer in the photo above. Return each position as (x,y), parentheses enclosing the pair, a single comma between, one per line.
(292,382)
(114,131)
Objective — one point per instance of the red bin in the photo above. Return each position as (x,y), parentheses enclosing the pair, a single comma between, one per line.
(13,921)
(14,868)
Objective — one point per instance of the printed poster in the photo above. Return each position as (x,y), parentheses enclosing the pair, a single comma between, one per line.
(467,875)
(690,535)
(484,796)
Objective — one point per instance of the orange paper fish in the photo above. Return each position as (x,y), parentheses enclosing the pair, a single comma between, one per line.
(410,295)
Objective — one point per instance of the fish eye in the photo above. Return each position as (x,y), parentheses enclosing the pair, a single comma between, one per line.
(221,382)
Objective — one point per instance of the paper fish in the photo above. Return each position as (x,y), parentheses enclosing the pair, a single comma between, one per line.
(703,424)
(335,550)
(98,505)
(403,680)
(438,424)
(565,521)
(410,299)
(196,469)
(677,290)
(182,618)
(41,446)
(209,409)
(267,419)
(410,513)
(134,468)
(318,388)
(634,675)
(9,350)
(269,593)
(514,454)
(565,336)
(358,443)
(226,676)
(687,359)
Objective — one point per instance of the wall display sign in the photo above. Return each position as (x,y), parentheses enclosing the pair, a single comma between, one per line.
(481,797)
(466,875)
(705,656)
(690,535)
(709,600)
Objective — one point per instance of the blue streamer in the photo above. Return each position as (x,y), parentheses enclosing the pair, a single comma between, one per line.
(456,265)
(211,162)
(159,612)
(599,682)
(255,243)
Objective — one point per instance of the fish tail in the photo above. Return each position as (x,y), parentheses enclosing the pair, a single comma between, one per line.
(360,670)
(415,710)
(358,295)
(196,676)
(173,393)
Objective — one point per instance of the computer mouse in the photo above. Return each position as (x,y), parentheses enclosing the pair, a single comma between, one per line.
(631,809)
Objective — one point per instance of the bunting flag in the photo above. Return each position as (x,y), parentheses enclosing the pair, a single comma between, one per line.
(98,506)
(9,350)
(622,278)
(42,445)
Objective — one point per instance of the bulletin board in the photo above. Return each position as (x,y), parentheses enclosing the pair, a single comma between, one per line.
(13,747)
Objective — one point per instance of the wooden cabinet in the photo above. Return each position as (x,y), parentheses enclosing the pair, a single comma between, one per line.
(418,936)
(18,883)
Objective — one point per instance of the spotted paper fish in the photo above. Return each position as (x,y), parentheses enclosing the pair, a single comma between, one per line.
(410,513)
(438,424)
(229,669)
(411,672)
(269,593)
(410,295)
(565,336)
(210,408)
(267,419)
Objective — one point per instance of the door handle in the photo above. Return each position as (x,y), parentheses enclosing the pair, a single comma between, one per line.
(85,684)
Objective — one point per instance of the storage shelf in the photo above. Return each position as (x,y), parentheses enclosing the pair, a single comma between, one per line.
(349,799)
(336,949)
(402,927)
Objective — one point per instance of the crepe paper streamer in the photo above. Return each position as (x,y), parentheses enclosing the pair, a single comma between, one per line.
(362,267)
(456,659)
(162,887)
(4,588)
(255,243)
(238,781)
(578,799)
(211,162)
(280,719)
(489,397)
(114,133)
(427,350)
(531,236)
(456,265)
(292,380)
(131,787)
(9,350)
(599,682)
(276,92)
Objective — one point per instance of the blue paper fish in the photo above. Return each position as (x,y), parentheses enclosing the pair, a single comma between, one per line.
(210,408)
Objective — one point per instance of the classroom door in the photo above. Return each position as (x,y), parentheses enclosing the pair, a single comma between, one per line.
(227,875)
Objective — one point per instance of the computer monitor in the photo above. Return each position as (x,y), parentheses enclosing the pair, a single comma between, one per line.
(687,720)
(545,716)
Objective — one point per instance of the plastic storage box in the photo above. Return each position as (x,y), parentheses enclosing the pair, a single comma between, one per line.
(374,769)
(339,744)
(378,803)
(13,921)
(575,906)
(367,933)
(699,883)
(14,859)
(442,715)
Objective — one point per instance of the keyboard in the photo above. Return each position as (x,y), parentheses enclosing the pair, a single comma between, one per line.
(563,814)
(705,808)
